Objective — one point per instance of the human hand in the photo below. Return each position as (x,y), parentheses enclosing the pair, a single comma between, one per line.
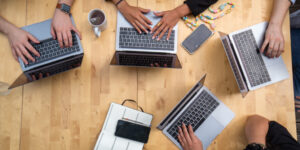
(39,76)
(188,139)
(168,21)
(61,28)
(135,16)
(274,38)
(19,42)
(157,65)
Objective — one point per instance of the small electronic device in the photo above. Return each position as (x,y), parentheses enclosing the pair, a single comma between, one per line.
(53,59)
(251,68)
(140,50)
(196,39)
(133,130)
(201,109)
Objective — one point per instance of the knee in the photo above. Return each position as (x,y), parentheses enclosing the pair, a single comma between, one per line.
(256,129)
(257,119)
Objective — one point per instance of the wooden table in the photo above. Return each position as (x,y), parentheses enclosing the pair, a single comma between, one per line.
(67,111)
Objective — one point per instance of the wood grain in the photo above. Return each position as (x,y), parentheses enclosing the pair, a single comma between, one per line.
(161,89)
(10,105)
(67,111)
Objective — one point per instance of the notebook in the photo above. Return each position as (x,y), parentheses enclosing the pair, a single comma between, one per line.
(107,139)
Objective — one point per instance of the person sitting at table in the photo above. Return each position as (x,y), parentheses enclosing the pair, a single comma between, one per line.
(62,26)
(19,39)
(169,19)
(273,45)
(261,134)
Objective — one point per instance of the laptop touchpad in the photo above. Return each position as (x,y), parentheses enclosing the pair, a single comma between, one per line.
(208,131)
(272,61)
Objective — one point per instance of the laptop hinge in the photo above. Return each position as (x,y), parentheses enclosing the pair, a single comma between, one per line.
(235,65)
(186,99)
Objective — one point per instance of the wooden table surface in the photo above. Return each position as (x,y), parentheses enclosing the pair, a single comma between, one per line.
(67,111)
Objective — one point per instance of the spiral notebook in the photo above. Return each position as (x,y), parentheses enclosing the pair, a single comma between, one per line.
(107,139)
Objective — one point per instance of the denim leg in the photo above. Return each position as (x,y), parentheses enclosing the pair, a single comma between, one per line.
(295,41)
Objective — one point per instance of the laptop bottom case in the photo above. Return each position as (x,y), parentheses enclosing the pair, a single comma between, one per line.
(143,59)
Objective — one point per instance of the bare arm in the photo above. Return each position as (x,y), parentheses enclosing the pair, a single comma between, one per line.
(18,40)
(62,26)
(5,26)
(280,8)
(274,37)
(68,2)
(169,20)
(135,16)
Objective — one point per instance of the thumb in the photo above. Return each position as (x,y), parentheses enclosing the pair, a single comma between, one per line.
(159,14)
(32,38)
(144,10)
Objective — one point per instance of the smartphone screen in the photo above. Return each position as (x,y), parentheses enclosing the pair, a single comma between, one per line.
(196,39)
(132,131)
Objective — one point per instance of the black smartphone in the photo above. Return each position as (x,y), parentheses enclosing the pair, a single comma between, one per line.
(132,131)
(196,39)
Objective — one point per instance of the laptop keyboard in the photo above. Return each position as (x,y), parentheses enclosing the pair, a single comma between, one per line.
(59,67)
(196,114)
(50,49)
(130,38)
(234,65)
(145,60)
(252,60)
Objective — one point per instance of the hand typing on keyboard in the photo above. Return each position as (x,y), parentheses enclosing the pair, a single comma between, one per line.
(39,76)
(135,16)
(157,65)
(188,139)
(168,21)
(61,28)
(19,41)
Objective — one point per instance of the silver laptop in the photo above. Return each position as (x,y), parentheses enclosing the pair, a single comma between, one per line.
(134,49)
(53,59)
(202,110)
(251,68)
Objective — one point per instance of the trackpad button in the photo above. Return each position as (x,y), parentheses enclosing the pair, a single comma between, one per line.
(208,131)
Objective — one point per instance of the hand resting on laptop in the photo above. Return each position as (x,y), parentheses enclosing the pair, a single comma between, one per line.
(19,41)
(273,45)
(188,140)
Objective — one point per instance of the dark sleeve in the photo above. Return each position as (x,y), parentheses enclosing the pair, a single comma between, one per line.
(198,6)
(279,138)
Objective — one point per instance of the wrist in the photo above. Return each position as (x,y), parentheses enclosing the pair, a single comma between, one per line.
(9,28)
(60,12)
(63,7)
(123,5)
(256,146)
(182,10)
(275,25)
(275,22)
(67,2)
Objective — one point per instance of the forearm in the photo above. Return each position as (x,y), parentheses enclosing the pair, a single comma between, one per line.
(68,2)
(183,10)
(121,4)
(5,26)
(280,9)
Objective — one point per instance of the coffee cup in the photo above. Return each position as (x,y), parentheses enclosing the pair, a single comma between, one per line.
(97,20)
